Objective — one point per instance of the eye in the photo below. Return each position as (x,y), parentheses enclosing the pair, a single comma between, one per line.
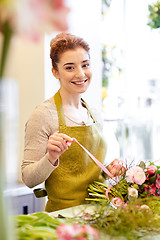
(86,65)
(69,68)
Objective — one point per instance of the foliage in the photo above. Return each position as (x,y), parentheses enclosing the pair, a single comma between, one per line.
(132,222)
(44,227)
(154,15)
(128,223)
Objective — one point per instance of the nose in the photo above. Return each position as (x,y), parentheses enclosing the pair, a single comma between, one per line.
(79,72)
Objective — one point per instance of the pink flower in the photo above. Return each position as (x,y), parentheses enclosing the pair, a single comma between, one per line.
(33,18)
(158,181)
(151,169)
(89,231)
(117,202)
(116,168)
(77,232)
(136,175)
(151,189)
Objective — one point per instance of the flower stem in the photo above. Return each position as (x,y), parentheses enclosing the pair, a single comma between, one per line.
(7,34)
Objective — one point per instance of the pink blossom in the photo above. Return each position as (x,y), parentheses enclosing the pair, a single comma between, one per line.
(136,175)
(88,230)
(117,202)
(115,167)
(33,18)
(151,169)
(158,181)
(151,189)
(77,232)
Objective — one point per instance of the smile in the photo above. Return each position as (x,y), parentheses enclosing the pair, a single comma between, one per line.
(80,82)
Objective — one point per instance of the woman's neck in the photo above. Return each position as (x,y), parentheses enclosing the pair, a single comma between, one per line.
(68,100)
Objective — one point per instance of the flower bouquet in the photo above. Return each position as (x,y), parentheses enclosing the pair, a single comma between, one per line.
(130,201)
(128,183)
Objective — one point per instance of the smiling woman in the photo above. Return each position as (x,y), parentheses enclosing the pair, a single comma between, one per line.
(50,154)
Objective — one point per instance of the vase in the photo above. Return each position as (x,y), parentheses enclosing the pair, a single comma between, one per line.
(8,97)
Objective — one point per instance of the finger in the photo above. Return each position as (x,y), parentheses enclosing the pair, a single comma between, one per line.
(59,142)
(54,148)
(66,137)
(63,138)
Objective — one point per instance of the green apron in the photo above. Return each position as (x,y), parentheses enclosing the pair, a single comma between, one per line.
(68,183)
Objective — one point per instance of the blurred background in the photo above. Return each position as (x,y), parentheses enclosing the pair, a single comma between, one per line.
(124,39)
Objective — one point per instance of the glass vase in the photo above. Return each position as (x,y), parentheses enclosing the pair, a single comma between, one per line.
(6,225)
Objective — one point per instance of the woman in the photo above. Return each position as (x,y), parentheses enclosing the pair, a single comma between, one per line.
(50,155)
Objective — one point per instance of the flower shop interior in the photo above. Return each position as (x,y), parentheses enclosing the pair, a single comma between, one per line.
(125,60)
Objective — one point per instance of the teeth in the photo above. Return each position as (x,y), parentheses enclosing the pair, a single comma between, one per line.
(79,83)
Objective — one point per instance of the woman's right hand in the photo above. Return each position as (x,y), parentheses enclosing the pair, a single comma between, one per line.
(57,144)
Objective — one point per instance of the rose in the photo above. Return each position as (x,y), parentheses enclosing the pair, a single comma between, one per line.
(117,202)
(132,192)
(136,175)
(151,169)
(77,232)
(158,181)
(116,168)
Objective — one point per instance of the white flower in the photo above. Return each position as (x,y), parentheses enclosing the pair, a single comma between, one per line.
(136,175)
(132,192)
(145,207)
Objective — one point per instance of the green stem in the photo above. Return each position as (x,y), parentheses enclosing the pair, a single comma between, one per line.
(7,33)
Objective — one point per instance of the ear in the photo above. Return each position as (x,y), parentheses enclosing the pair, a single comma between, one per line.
(55,73)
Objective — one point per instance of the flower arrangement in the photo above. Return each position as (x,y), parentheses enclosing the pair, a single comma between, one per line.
(128,208)
(128,184)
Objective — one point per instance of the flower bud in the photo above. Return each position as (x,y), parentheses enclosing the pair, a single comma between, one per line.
(151,169)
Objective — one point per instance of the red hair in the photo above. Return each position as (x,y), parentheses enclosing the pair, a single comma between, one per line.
(63,42)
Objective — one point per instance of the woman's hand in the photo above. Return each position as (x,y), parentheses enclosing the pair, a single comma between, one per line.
(57,144)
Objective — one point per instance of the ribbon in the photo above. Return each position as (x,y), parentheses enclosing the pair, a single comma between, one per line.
(94,159)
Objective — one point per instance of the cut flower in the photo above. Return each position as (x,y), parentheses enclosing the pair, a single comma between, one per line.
(136,175)
(117,202)
(76,232)
(151,169)
(158,181)
(132,192)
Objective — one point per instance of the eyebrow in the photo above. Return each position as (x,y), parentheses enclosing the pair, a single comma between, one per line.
(73,63)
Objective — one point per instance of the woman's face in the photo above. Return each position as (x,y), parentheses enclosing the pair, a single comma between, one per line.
(74,71)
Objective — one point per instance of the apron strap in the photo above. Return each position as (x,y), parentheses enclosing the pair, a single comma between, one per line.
(90,112)
(61,117)
(58,103)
